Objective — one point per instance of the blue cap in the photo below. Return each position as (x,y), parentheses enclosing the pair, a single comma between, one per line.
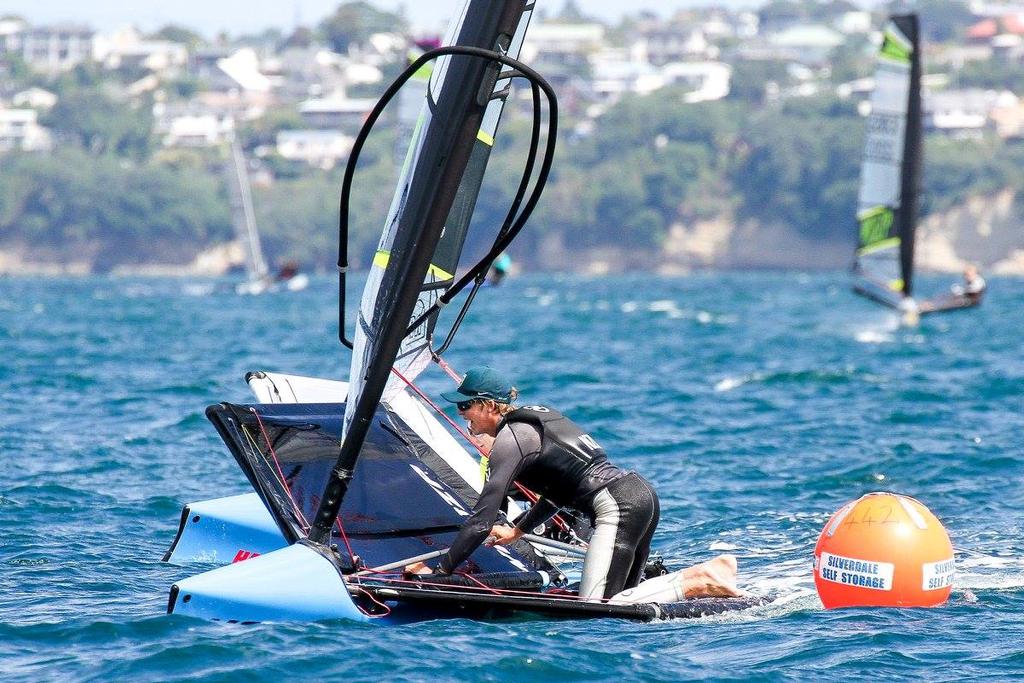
(481,382)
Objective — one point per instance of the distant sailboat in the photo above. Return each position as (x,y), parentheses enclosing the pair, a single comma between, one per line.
(887,205)
(258,277)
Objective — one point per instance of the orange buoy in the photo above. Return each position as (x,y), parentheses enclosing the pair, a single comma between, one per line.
(883,550)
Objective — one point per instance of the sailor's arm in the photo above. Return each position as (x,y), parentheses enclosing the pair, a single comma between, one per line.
(504,465)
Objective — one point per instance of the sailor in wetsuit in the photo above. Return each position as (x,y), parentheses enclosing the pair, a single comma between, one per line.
(973,287)
(549,454)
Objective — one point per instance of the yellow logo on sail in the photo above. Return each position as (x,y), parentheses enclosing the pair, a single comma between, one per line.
(875,225)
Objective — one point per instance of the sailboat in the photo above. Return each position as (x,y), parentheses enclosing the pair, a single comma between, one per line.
(887,205)
(328,526)
(258,278)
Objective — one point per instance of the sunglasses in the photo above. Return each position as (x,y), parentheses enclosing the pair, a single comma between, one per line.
(465,405)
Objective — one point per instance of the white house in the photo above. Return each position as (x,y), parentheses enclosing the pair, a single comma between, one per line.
(243,68)
(568,44)
(614,78)
(965,112)
(335,112)
(19,129)
(34,98)
(193,129)
(320,148)
(663,43)
(127,48)
(53,48)
(707,80)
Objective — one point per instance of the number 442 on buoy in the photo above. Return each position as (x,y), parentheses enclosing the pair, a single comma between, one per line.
(883,550)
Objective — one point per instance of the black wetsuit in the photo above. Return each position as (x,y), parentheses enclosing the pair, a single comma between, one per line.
(550,455)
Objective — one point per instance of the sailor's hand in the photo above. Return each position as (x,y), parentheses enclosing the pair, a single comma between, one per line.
(504,535)
(418,568)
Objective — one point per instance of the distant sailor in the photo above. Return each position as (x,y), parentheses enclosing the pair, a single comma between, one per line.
(499,269)
(548,453)
(973,286)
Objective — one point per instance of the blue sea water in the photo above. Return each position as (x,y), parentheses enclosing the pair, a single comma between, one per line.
(756,403)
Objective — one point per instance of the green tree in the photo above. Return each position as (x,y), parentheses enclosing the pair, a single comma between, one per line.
(991,74)
(101,209)
(178,34)
(264,130)
(749,78)
(353,22)
(800,169)
(101,124)
(956,169)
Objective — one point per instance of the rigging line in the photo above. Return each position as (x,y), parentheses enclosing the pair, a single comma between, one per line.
(374,600)
(505,237)
(510,216)
(568,597)
(443,364)
(516,225)
(344,537)
(284,482)
(277,466)
(426,399)
(482,587)
(275,469)
(479,582)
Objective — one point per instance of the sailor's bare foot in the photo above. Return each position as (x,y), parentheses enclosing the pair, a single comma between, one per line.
(714,578)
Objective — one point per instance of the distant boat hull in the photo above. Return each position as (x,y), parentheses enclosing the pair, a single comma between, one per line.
(952,302)
(266,285)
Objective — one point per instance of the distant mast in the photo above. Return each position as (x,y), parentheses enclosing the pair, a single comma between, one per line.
(243,215)
(891,166)
(911,182)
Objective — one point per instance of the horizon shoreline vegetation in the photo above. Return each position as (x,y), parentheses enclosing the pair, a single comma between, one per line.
(625,185)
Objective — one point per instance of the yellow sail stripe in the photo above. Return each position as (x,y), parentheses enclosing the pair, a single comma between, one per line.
(484,137)
(878,246)
(381,258)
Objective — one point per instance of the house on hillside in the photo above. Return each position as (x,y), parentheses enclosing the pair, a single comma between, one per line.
(319,148)
(49,49)
(659,43)
(192,124)
(20,130)
(569,46)
(706,81)
(965,113)
(126,49)
(336,112)
(34,98)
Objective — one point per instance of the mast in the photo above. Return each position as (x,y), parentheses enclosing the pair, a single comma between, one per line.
(423,200)
(243,214)
(911,177)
